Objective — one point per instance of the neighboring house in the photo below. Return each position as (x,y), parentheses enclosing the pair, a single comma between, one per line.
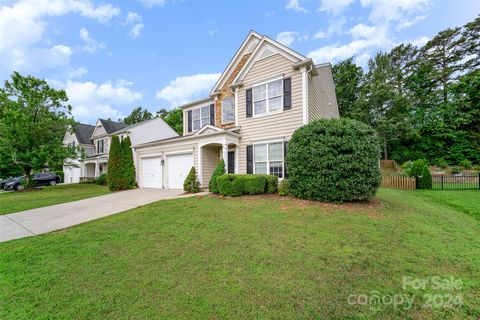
(266,92)
(95,142)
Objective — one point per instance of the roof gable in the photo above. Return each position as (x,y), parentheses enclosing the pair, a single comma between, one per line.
(208,128)
(268,47)
(248,45)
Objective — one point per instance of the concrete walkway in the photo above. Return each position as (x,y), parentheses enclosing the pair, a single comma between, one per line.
(42,220)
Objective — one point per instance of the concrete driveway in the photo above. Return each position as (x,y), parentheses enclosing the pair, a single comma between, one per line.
(42,220)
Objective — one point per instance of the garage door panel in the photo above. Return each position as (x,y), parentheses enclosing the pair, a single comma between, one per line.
(151,173)
(178,167)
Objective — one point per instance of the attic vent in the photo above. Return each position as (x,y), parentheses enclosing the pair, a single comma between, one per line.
(266,53)
(252,45)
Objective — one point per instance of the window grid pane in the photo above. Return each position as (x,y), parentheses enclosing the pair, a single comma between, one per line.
(260,167)
(260,152)
(275,89)
(196,124)
(195,114)
(260,107)
(276,168)
(228,110)
(275,104)
(275,152)
(259,92)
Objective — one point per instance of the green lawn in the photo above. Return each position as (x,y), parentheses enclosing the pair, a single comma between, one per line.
(47,196)
(255,257)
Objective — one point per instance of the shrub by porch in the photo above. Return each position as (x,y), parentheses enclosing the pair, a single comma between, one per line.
(235,185)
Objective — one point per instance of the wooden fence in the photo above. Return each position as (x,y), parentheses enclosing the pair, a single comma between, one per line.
(398,182)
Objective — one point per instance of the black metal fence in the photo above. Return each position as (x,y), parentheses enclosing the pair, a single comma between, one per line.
(456,181)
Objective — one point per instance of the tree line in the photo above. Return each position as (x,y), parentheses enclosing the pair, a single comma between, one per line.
(424,102)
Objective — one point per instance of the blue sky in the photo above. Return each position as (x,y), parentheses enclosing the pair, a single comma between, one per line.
(111,56)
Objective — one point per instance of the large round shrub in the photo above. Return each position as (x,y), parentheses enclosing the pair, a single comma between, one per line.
(334,160)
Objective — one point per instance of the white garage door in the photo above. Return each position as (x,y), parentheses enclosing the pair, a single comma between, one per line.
(178,167)
(151,173)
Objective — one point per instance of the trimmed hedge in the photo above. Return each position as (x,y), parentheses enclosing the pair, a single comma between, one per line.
(283,188)
(235,185)
(254,184)
(231,185)
(334,160)
(219,171)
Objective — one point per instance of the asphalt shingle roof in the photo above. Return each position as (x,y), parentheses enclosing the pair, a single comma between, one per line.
(112,126)
(84,133)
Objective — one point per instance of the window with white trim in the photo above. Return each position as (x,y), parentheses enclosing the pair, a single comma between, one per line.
(268,97)
(268,159)
(200,117)
(100,146)
(228,110)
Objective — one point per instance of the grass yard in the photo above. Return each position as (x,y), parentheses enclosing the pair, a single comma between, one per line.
(254,257)
(46,196)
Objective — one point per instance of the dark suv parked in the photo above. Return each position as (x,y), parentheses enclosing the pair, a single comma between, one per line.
(39,179)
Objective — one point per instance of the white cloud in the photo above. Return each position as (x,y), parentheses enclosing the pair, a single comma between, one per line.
(187,88)
(367,39)
(295,6)
(135,21)
(136,30)
(23,26)
(335,7)
(91,45)
(90,100)
(362,31)
(152,3)
(410,22)
(419,42)
(388,10)
(335,27)
(286,37)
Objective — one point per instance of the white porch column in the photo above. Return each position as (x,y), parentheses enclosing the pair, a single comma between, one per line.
(225,155)
(97,169)
(200,166)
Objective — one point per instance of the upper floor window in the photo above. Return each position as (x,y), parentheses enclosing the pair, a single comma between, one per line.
(100,146)
(268,97)
(200,117)
(228,110)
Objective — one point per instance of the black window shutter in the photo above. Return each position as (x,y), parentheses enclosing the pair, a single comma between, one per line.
(287,93)
(212,114)
(189,125)
(249,159)
(249,103)
(285,150)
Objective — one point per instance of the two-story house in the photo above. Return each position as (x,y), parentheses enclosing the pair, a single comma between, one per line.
(95,142)
(266,92)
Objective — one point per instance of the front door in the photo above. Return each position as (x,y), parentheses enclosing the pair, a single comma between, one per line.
(231,162)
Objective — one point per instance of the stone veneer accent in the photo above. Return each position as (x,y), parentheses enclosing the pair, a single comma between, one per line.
(226,92)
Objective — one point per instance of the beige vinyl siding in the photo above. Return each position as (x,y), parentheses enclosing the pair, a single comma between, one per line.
(163,150)
(279,126)
(322,101)
(210,155)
